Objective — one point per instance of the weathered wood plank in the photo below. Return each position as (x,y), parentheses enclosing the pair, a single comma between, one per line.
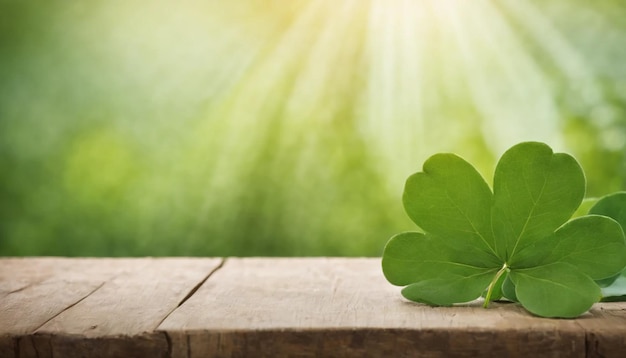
(35,290)
(120,318)
(321,307)
(266,307)
(605,329)
(48,286)
(17,274)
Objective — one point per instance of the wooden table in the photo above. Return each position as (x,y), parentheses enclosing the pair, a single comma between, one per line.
(265,307)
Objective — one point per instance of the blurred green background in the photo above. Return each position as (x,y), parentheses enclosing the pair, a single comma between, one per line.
(283,127)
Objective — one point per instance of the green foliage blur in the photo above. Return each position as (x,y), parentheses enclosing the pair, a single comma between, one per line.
(265,127)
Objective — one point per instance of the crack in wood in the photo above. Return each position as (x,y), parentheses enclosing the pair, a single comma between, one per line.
(32,343)
(191,292)
(188,340)
(70,306)
(24,287)
(333,306)
(51,348)
(168,339)
(590,344)
(196,287)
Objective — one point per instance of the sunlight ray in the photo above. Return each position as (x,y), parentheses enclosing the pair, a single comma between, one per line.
(393,121)
(566,59)
(228,151)
(320,76)
(494,60)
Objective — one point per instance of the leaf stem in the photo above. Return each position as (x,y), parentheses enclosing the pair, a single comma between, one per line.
(493,283)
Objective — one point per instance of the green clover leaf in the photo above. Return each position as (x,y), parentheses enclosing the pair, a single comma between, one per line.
(613,206)
(513,242)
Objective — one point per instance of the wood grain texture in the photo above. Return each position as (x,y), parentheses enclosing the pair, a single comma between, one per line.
(320,307)
(18,274)
(33,291)
(605,329)
(37,290)
(131,304)
(266,307)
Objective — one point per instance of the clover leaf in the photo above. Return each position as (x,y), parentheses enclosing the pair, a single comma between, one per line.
(514,241)
(613,206)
